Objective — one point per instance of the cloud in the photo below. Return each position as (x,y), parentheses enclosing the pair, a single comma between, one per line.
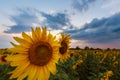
(103,30)
(23,22)
(82,5)
(57,20)
(18,28)
(28,17)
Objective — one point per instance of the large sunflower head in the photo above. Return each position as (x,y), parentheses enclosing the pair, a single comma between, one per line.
(37,55)
(65,44)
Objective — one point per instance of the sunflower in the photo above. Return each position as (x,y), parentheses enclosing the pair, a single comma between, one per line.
(63,50)
(36,56)
(71,53)
(115,64)
(76,65)
(3,56)
(3,59)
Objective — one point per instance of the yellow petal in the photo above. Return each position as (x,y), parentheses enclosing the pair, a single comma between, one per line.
(37,73)
(16,57)
(16,63)
(41,74)
(44,33)
(50,38)
(19,49)
(34,37)
(46,72)
(38,33)
(26,72)
(26,37)
(19,70)
(22,41)
(52,67)
(13,44)
(32,72)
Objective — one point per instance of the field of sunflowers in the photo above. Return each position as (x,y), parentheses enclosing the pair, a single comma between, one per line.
(41,57)
(96,64)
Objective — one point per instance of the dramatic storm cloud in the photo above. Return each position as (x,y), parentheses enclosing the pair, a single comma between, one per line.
(25,20)
(103,30)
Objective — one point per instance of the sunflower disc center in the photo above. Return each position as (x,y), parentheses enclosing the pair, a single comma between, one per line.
(40,54)
(63,48)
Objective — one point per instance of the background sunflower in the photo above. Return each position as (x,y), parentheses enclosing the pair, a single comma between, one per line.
(65,44)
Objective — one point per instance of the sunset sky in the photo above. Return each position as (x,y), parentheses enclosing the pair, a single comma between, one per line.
(93,23)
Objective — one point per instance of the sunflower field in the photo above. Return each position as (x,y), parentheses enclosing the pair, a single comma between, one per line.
(41,57)
(81,65)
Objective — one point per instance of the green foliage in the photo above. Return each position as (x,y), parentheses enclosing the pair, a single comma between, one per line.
(4,71)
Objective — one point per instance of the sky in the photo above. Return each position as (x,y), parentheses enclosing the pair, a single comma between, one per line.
(93,23)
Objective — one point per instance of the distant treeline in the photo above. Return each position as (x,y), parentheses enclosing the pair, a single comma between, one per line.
(90,48)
